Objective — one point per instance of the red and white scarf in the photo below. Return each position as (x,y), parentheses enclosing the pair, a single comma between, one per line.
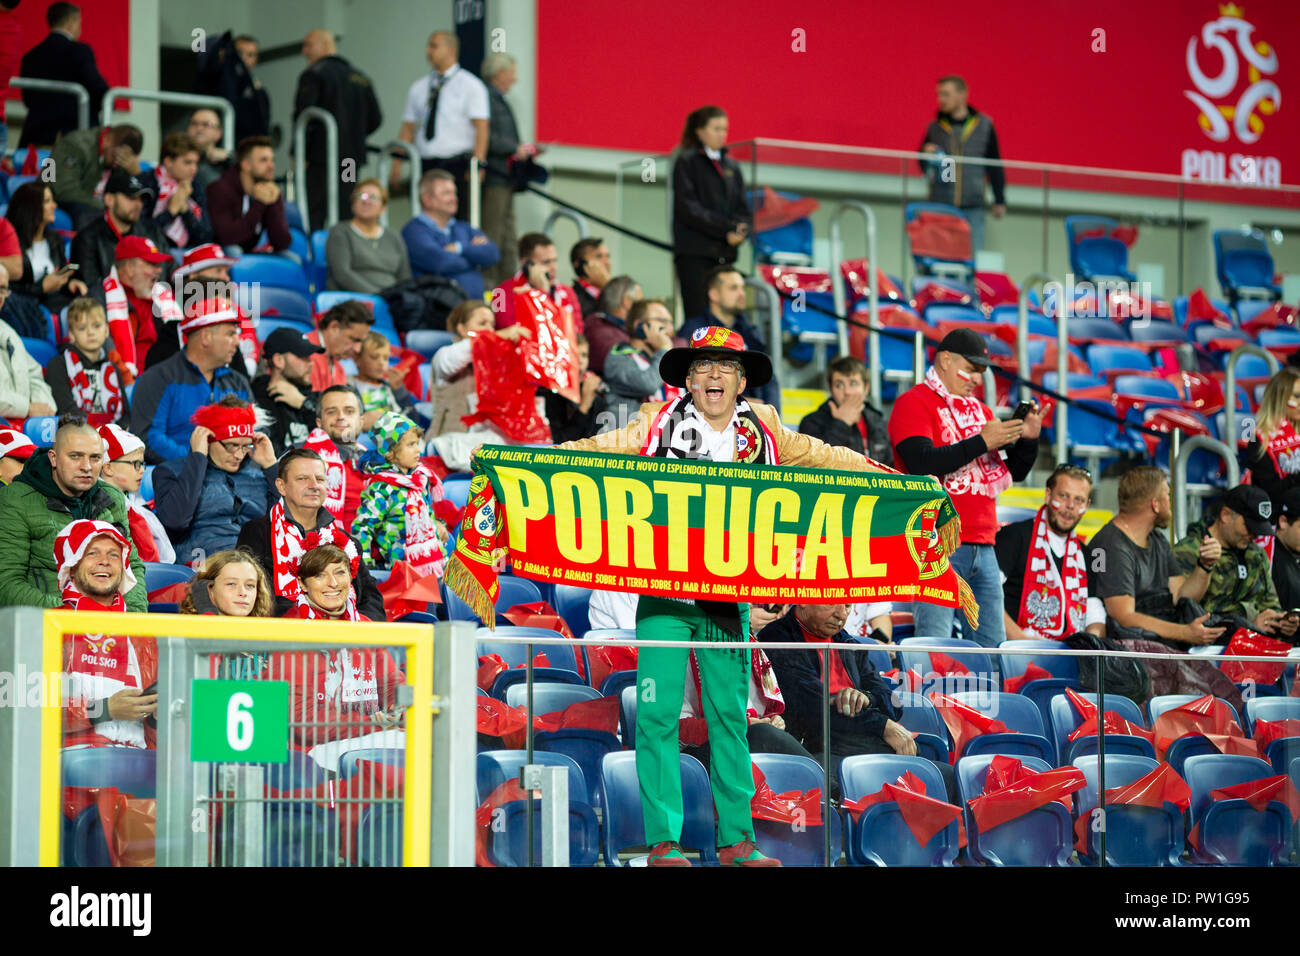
(118,309)
(289,544)
(1053,603)
(307,611)
(101,665)
(678,431)
(765,698)
(1284,448)
(423,549)
(176,230)
(959,420)
(108,397)
(335,472)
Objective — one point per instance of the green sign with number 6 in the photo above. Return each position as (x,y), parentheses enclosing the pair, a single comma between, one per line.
(242,721)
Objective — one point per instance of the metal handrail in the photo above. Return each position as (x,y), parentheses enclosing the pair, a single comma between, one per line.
(387,153)
(1178,474)
(918,357)
(1230,384)
(1022,333)
(837,286)
(58,86)
(574,217)
(219,104)
(1062,410)
(331,163)
(775,346)
(475,193)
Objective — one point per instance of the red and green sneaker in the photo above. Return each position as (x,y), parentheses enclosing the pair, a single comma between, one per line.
(667,854)
(744,853)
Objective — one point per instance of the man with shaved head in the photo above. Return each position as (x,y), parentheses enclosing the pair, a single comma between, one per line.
(339,88)
(446,117)
(57,486)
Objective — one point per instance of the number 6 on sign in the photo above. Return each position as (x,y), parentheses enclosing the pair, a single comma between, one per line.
(239,722)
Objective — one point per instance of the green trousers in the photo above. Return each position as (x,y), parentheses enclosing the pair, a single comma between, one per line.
(724,689)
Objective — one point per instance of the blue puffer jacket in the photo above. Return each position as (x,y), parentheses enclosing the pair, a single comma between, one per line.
(168,394)
(203,507)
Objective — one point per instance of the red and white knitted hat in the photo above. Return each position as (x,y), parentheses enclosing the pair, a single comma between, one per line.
(211,311)
(71,544)
(203,257)
(225,422)
(118,442)
(14,444)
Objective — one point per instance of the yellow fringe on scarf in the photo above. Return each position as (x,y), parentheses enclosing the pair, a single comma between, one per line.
(950,536)
(466,587)
(967,599)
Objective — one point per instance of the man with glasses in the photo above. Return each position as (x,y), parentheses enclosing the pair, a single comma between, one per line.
(123,469)
(23,391)
(1044,576)
(709,422)
(206,130)
(225,481)
(938,427)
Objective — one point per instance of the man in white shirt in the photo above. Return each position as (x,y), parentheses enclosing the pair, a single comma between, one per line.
(446,117)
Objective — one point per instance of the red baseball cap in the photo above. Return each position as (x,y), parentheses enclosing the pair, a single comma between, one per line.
(138,247)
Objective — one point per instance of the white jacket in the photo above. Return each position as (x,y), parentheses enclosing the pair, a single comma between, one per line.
(22,381)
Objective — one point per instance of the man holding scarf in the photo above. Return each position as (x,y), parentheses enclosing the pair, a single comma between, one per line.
(1045,586)
(112,696)
(276,540)
(939,428)
(710,422)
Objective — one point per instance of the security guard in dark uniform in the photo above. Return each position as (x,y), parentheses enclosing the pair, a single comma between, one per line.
(338,87)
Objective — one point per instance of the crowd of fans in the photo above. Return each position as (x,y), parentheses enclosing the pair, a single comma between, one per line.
(289,465)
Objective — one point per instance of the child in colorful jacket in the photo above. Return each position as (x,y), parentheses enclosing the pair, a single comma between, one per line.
(395,520)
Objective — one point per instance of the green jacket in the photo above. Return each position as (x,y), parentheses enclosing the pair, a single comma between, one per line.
(78,168)
(1241,583)
(32,513)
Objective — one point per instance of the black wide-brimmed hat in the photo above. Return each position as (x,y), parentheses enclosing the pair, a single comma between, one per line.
(715,341)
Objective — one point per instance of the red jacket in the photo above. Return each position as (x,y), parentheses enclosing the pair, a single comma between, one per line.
(77,726)
(319,704)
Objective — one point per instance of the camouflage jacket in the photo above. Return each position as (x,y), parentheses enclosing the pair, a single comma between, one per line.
(1241,582)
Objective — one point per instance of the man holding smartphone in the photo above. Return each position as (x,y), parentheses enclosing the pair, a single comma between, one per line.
(940,428)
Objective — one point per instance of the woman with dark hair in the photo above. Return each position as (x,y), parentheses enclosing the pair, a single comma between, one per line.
(711,216)
(46,277)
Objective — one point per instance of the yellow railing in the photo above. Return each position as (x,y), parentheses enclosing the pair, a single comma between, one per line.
(416,638)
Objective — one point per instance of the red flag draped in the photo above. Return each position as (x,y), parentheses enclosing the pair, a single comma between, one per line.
(491,665)
(941,663)
(964,722)
(550,355)
(1155,789)
(924,815)
(793,806)
(1012,685)
(1112,722)
(506,397)
(405,592)
(541,614)
(1250,644)
(1011,791)
(1205,715)
(1267,731)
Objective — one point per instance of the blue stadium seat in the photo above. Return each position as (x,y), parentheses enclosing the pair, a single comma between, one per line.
(1248,309)
(937,312)
(456,488)
(299,834)
(319,264)
(41,429)
(1038,324)
(85,840)
(1042,837)
(130,769)
(791,244)
(1135,836)
(1075,381)
(793,846)
(427,341)
(920,716)
(1025,735)
(1243,264)
(383,318)
(1252,366)
(1064,671)
(548,696)
(563,662)
(513,591)
(146,483)
(508,843)
(1205,332)
(980,665)
(627,713)
(270,303)
(270,271)
(879,837)
(350,760)
(928,265)
(1106,358)
(571,603)
(614,682)
(1281,752)
(624,826)
(1159,704)
(1156,330)
(1141,385)
(1270,708)
(1104,329)
(1102,257)
(1063,719)
(293,215)
(1271,338)
(379,835)
(158,575)
(1232,833)
(40,350)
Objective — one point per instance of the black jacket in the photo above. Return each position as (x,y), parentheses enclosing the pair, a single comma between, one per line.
(503,137)
(799,675)
(94,250)
(58,57)
(222,73)
(1286,578)
(338,87)
(707,206)
(824,425)
(255,537)
(289,426)
(27,285)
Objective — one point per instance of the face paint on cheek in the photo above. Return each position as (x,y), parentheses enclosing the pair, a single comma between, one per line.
(1054,505)
(965,376)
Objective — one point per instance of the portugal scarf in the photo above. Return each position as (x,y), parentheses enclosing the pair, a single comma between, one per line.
(679,431)
(176,230)
(423,549)
(987,474)
(102,402)
(335,471)
(1053,604)
(165,310)
(1284,448)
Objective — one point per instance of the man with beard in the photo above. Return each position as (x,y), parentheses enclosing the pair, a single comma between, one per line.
(244,200)
(94,248)
(112,679)
(338,422)
(276,540)
(285,390)
(1045,583)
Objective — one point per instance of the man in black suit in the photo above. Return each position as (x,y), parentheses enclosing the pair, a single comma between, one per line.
(60,56)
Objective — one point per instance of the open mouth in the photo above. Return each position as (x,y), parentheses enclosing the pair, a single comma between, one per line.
(713,392)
